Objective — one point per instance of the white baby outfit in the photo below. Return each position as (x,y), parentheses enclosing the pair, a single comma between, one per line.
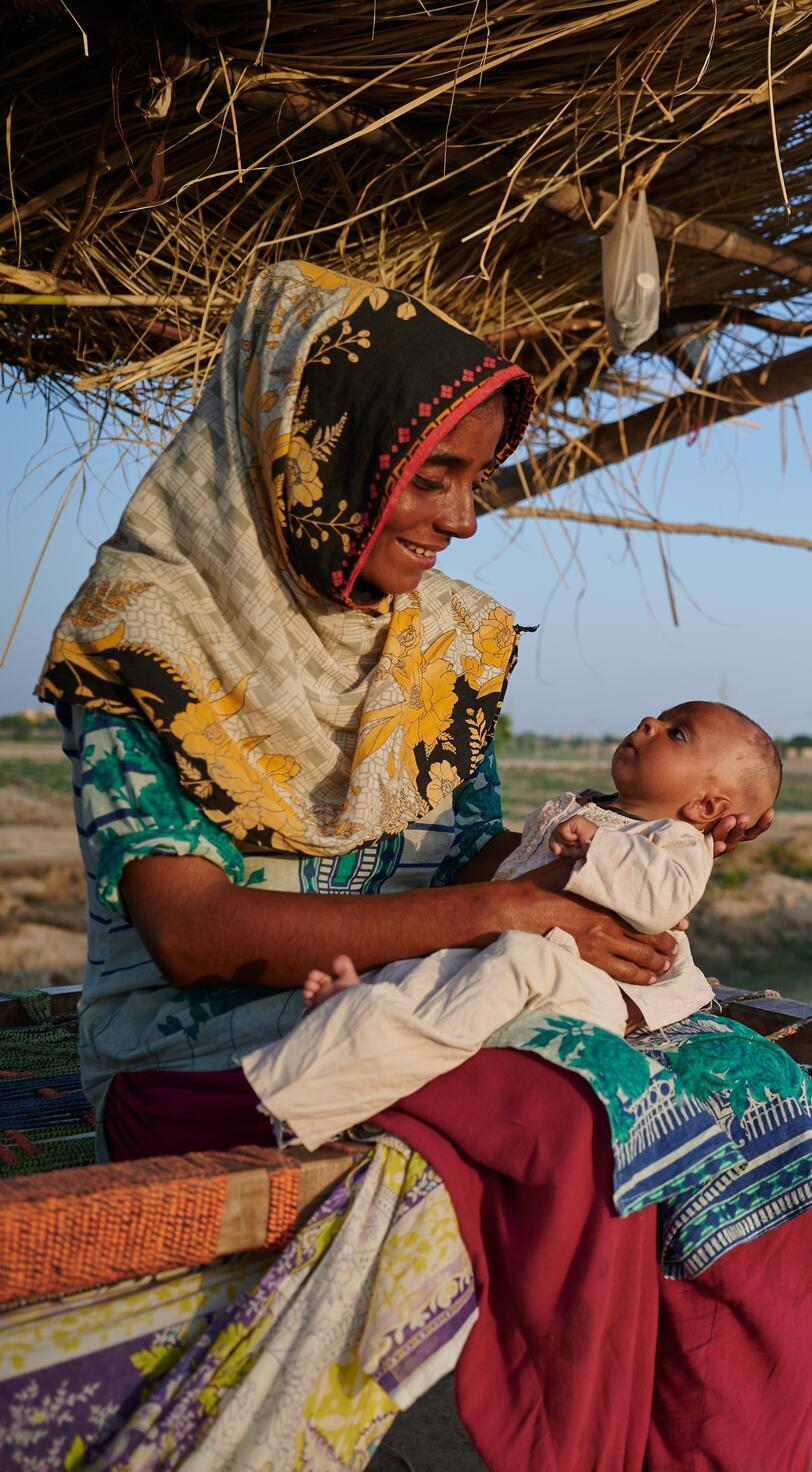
(413,1020)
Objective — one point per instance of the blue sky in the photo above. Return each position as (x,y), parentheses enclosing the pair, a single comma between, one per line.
(607,651)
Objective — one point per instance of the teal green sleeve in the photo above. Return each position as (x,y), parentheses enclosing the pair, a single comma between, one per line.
(477,818)
(130,804)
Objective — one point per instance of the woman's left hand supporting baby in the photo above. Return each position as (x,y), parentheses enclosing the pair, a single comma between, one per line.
(601,937)
(738,828)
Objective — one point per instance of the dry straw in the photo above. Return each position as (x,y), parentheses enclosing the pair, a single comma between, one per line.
(158,155)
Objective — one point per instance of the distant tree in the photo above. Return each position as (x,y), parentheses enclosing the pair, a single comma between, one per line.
(800,741)
(16,728)
(503,735)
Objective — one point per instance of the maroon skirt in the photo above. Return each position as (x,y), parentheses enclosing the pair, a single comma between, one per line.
(583,1358)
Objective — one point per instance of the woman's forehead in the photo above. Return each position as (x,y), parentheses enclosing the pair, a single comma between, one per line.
(485,423)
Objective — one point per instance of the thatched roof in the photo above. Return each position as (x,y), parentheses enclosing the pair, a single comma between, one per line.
(159,154)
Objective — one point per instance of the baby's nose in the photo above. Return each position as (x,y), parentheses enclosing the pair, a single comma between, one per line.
(648,725)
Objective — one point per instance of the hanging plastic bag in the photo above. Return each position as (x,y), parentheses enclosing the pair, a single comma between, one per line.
(631,276)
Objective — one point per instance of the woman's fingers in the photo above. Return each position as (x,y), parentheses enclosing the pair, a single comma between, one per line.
(638,961)
(662,947)
(738,828)
(625,955)
(602,939)
(760,826)
(720,833)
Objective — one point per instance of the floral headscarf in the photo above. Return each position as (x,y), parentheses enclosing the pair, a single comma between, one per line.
(229,608)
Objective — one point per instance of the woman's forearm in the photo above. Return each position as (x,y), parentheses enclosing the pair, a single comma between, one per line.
(202,930)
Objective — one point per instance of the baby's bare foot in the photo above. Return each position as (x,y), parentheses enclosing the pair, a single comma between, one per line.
(314,984)
(319,986)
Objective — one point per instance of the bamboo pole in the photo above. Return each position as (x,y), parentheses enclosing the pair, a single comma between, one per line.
(736,393)
(710,316)
(99,299)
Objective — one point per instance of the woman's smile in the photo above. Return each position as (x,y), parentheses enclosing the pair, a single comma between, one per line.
(424,557)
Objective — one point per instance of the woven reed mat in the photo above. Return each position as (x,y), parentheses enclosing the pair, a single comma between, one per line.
(46,1122)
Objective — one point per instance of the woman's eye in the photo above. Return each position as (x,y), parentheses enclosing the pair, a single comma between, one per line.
(427,485)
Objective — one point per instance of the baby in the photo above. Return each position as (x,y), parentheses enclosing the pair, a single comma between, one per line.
(643,851)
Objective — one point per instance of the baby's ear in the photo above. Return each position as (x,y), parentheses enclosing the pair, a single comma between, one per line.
(704,812)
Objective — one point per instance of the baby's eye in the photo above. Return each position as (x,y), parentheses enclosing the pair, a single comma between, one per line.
(677,733)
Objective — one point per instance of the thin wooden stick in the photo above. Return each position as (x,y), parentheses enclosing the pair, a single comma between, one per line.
(677,528)
(94,173)
(35,569)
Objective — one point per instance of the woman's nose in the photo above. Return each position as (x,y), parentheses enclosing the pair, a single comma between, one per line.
(457,516)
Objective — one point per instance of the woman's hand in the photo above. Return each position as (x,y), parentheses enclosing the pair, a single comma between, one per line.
(537,904)
(738,828)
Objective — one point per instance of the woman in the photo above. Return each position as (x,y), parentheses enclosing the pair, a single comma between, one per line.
(281,718)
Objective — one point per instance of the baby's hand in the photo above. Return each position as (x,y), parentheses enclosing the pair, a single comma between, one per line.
(571,839)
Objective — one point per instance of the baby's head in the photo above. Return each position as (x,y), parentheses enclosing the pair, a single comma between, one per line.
(698,761)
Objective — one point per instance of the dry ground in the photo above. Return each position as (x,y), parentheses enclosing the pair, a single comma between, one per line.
(42,890)
(428,1438)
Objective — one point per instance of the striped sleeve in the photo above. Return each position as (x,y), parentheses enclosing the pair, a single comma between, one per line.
(129,804)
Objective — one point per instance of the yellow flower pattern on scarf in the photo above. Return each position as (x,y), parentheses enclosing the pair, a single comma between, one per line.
(443,778)
(494,640)
(259,788)
(427,680)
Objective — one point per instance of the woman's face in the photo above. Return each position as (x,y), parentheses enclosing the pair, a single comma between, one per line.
(438,502)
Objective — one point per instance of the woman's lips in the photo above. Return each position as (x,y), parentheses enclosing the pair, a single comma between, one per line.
(424,556)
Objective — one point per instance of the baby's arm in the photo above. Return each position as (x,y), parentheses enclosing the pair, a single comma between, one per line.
(651,876)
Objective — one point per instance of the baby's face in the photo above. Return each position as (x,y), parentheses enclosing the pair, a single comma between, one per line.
(680,756)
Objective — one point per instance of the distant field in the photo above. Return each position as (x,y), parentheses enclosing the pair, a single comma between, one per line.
(49,773)
(527,781)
